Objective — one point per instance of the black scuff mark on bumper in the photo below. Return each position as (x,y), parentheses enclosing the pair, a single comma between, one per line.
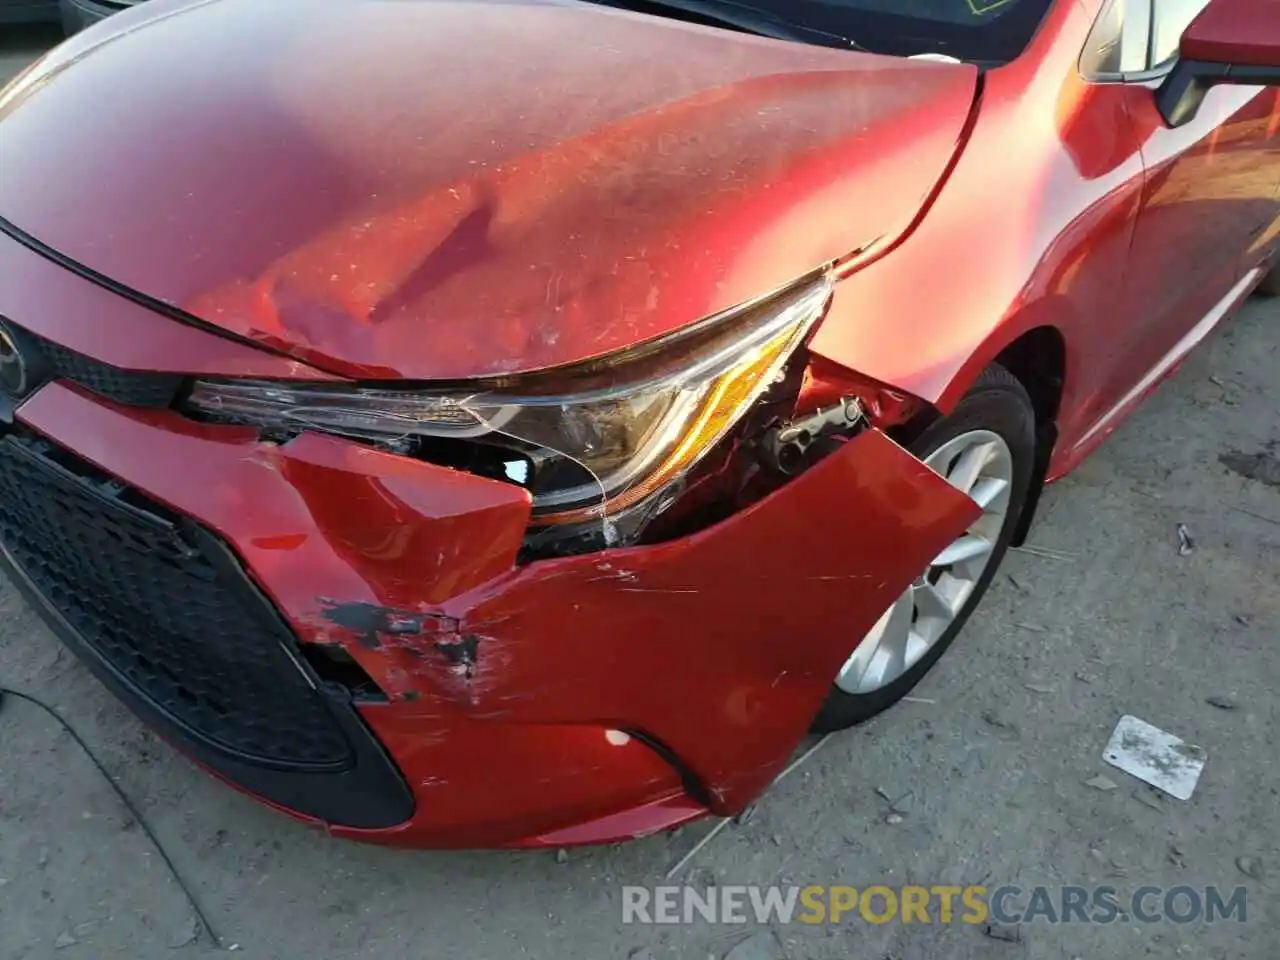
(462,653)
(372,624)
(399,634)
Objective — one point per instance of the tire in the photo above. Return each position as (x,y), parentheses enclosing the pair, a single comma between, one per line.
(998,403)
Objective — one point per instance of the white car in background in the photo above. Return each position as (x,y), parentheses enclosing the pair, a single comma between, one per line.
(74,14)
(78,14)
(28,11)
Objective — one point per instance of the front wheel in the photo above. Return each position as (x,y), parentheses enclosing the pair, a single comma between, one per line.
(985,448)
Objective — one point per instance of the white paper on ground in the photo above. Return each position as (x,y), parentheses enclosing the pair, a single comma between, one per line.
(1155,757)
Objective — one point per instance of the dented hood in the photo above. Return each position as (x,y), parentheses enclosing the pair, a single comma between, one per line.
(440,190)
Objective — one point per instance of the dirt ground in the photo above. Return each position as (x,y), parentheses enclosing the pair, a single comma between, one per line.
(996,770)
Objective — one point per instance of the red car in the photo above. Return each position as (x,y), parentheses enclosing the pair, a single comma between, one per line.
(518,424)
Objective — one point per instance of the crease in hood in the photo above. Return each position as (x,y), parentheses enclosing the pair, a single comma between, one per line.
(448,189)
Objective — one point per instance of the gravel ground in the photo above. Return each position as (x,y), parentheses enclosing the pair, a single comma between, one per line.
(996,759)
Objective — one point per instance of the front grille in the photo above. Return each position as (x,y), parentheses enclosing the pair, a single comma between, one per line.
(46,360)
(151,596)
(131,387)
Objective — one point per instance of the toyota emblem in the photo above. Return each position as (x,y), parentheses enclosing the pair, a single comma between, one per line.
(13,368)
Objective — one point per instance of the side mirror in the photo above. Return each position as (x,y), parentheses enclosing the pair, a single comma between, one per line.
(1231,41)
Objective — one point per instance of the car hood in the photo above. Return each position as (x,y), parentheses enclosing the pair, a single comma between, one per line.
(442,190)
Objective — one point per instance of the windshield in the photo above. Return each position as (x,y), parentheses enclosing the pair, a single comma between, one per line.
(984,31)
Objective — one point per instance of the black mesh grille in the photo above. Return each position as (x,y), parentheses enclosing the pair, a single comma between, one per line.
(135,388)
(152,600)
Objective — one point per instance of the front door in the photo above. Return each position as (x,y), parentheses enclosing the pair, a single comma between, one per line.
(1209,196)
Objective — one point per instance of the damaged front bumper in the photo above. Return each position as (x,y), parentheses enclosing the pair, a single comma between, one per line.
(585,699)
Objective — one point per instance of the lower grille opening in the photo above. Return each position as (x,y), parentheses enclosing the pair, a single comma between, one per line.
(333,665)
(145,596)
(161,611)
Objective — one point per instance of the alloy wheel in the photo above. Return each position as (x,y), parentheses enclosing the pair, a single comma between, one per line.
(980,465)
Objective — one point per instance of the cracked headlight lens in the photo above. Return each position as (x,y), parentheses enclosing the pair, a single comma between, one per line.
(597,438)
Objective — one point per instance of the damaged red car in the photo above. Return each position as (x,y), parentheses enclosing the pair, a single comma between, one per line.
(518,423)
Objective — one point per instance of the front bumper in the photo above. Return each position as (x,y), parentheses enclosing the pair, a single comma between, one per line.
(586,699)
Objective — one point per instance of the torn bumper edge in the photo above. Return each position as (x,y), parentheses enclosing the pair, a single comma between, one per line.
(511,689)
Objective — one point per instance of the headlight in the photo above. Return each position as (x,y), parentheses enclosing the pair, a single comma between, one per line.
(599,437)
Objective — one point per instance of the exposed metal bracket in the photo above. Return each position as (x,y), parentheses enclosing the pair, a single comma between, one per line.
(786,446)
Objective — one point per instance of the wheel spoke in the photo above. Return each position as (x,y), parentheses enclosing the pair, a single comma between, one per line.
(968,547)
(988,526)
(990,493)
(968,468)
(890,659)
(880,655)
(931,604)
(917,646)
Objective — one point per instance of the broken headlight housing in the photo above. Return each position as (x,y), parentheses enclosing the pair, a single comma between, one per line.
(593,442)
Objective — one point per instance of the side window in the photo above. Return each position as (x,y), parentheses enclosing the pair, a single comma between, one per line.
(1120,40)
(1172,17)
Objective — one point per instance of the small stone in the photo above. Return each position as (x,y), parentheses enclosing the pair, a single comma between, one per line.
(562,856)
(43,859)
(1222,702)
(893,819)
(1176,856)
(1039,687)
(1010,933)
(904,803)
(1185,544)
(64,940)
(1148,799)
(762,946)
(1009,728)
(1033,627)
(1101,782)
(705,877)
(776,840)
(1086,677)
(1241,619)
(1251,867)
(1097,854)
(187,933)
(746,816)
(640,953)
